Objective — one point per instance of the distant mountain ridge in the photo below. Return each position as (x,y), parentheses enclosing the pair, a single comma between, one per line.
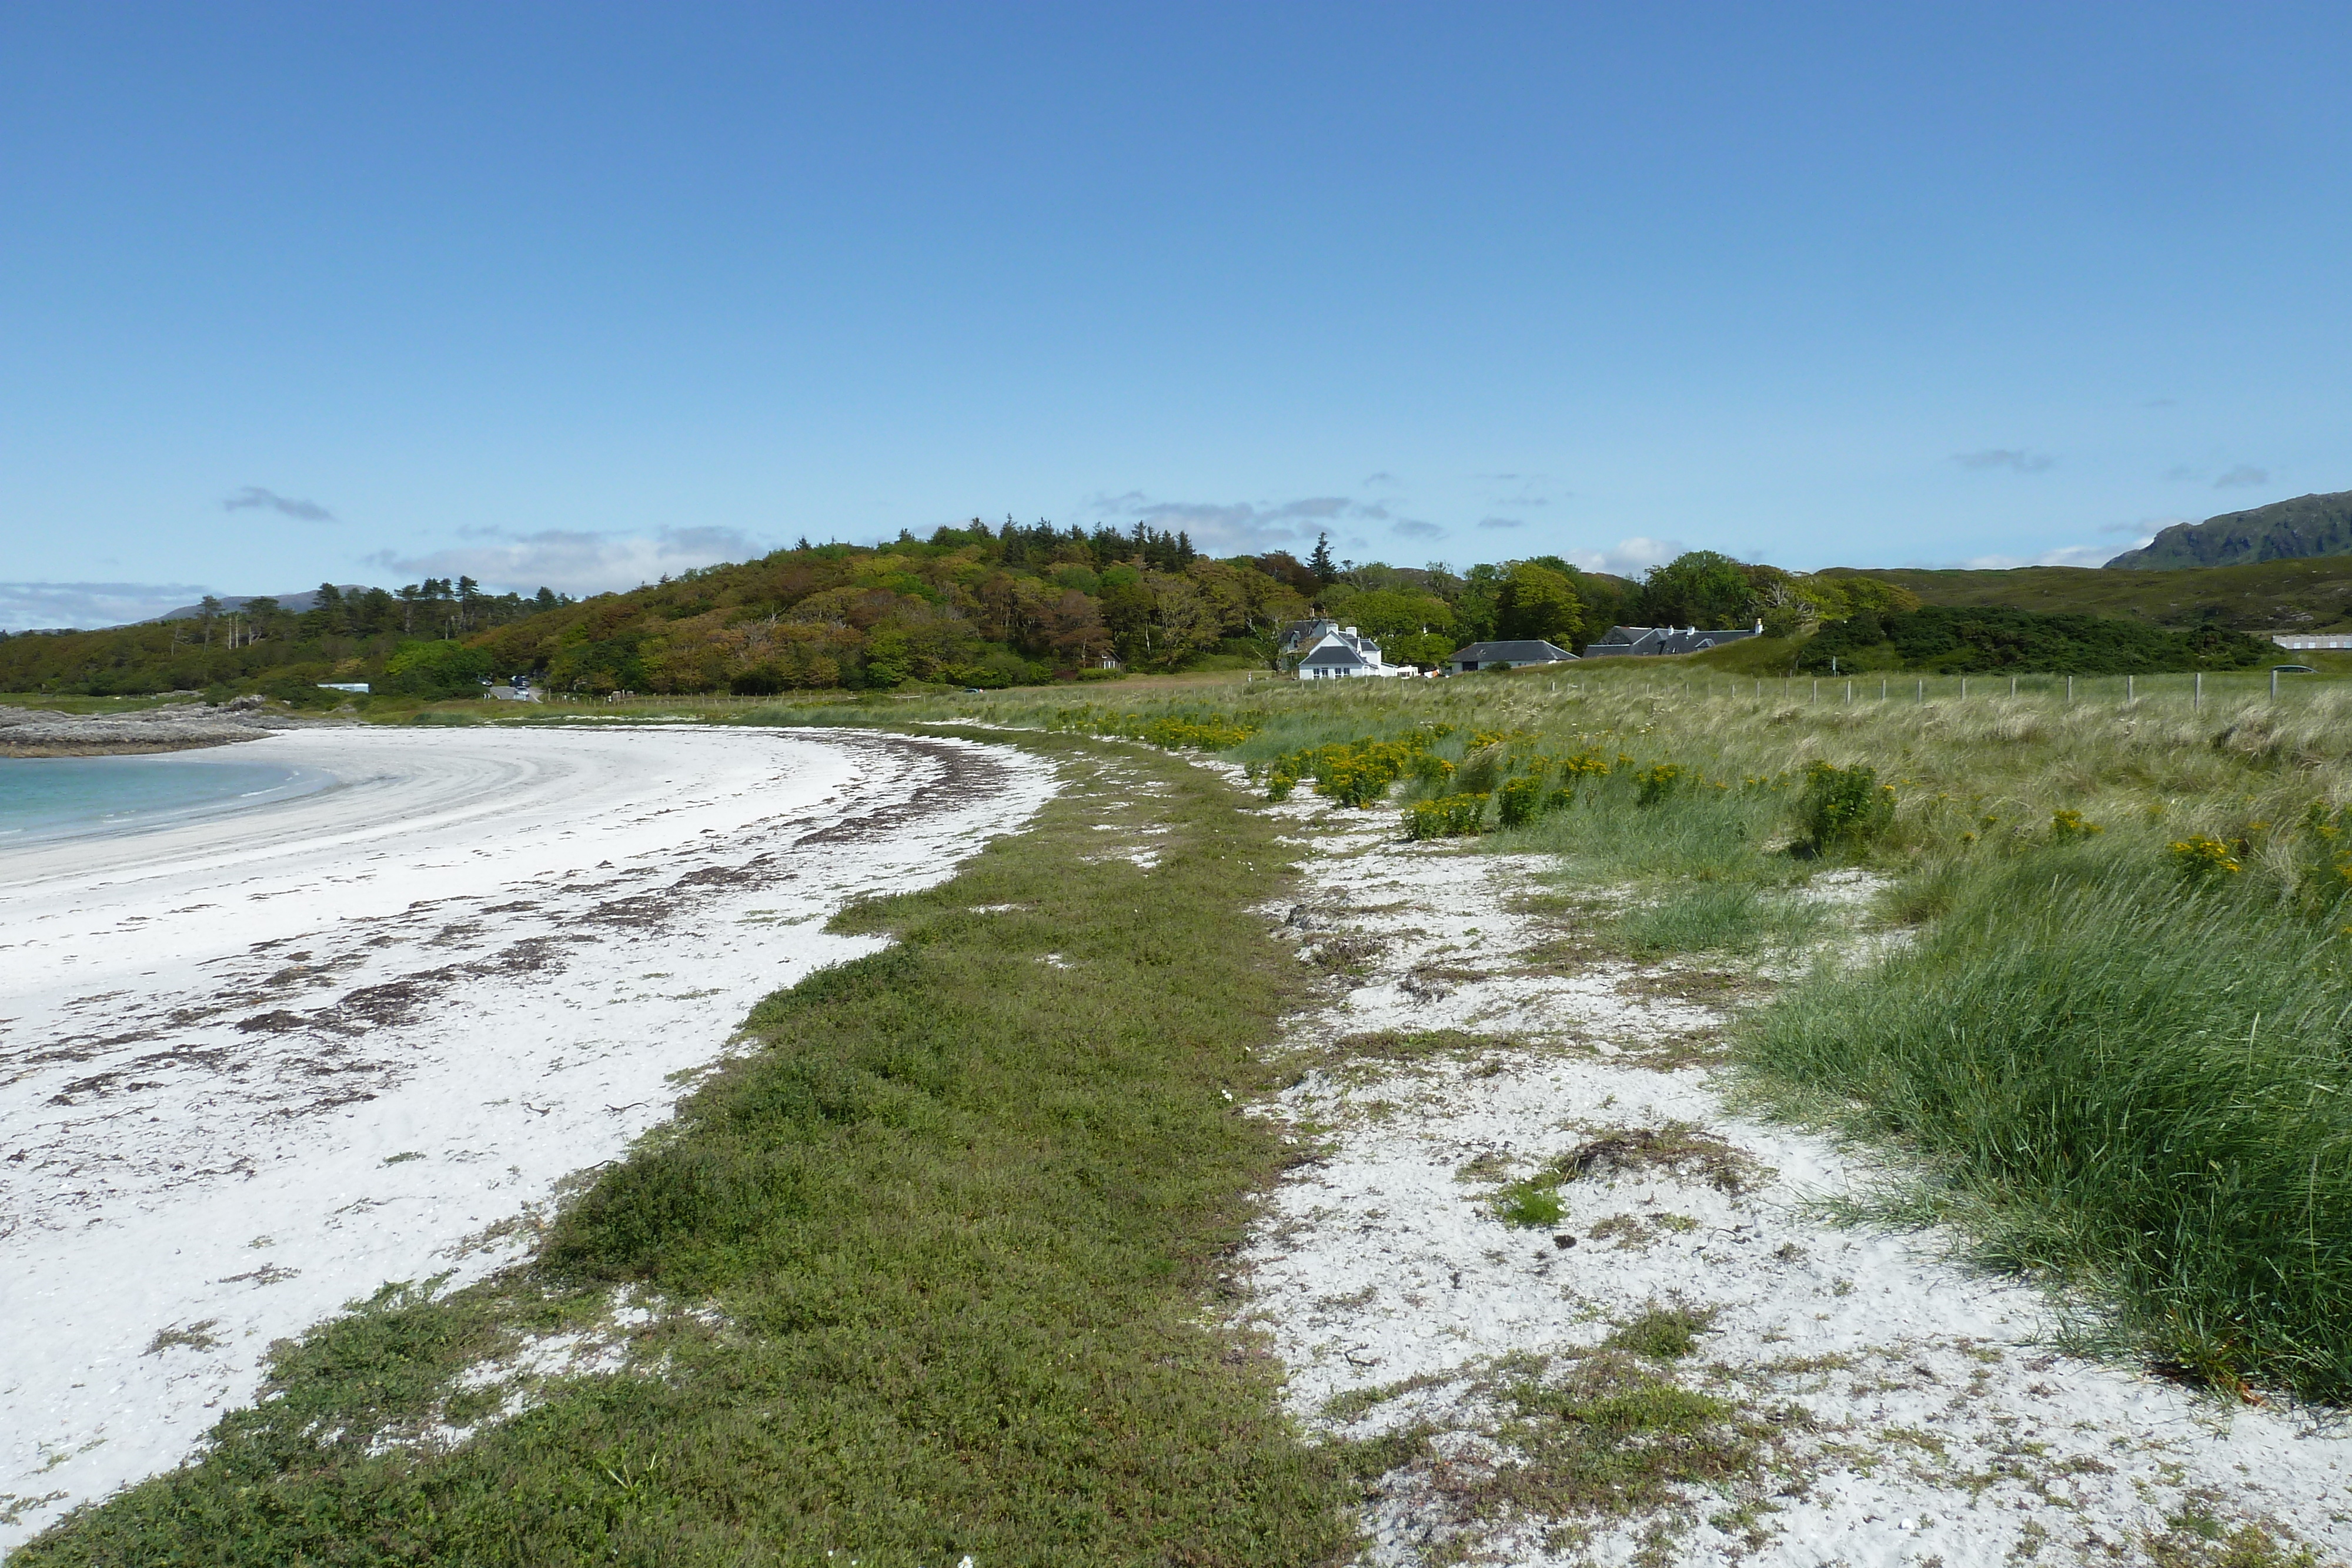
(293,603)
(2284,530)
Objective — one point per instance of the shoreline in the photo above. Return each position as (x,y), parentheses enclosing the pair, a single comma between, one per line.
(126,819)
(255,1067)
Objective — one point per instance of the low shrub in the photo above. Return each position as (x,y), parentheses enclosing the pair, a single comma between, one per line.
(2066,827)
(1842,808)
(1522,800)
(2201,857)
(1448,817)
(1655,782)
(1354,773)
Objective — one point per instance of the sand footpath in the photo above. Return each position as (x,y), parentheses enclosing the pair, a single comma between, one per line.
(253,1069)
(1879,1403)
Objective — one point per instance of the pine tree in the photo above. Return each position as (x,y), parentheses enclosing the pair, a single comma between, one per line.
(1320,563)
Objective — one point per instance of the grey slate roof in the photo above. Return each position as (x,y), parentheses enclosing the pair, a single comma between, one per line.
(1637,640)
(1331,655)
(1536,652)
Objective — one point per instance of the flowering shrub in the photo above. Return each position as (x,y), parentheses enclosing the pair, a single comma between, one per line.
(1451,816)
(1209,734)
(2201,856)
(1843,806)
(1352,773)
(1655,782)
(1214,733)
(1522,800)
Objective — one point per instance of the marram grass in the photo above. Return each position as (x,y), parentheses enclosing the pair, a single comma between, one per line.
(2126,1077)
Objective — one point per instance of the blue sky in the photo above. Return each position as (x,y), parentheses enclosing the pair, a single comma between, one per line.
(580,294)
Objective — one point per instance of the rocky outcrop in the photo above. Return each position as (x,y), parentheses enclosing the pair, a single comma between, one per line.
(176,726)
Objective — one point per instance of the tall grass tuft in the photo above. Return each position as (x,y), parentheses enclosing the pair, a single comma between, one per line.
(2143,1088)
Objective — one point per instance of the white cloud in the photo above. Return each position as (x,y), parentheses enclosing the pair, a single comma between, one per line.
(1626,558)
(1241,528)
(575,563)
(28,606)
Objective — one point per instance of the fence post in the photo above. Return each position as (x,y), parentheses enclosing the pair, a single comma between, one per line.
(1964,688)
(2070,689)
(1817,692)
(1920,694)
(2013,685)
(1849,693)
(2198,701)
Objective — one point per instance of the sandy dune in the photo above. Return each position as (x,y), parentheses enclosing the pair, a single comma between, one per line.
(252,1069)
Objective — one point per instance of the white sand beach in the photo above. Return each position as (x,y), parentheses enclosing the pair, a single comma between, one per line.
(254,1069)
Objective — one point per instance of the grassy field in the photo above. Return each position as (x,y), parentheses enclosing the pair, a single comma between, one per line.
(941,1257)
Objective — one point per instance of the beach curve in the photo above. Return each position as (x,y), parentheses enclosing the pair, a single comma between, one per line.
(255,1068)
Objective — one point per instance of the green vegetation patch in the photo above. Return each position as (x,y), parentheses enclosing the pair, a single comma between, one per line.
(2131,1075)
(1677,1148)
(1719,917)
(1954,640)
(2282,595)
(961,1217)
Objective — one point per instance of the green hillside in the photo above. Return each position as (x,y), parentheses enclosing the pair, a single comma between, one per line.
(2298,529)
(2269,596)
(973,606)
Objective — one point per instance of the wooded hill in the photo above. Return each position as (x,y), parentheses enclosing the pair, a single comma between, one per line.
(981,606)
(973,606)
(1018,605)
(260,645)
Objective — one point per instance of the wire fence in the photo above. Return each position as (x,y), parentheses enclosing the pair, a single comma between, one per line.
(2195,690)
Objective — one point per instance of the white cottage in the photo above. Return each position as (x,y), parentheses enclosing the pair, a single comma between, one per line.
(1326,651)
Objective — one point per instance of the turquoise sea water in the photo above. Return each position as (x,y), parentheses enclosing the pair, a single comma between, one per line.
(45,797)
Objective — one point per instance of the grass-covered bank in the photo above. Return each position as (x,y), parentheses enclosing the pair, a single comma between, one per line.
(2116,1039)
(955,1226)
(2122,1074)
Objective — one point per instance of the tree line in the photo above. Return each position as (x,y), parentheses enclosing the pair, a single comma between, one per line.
(260,645)
(976,605)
